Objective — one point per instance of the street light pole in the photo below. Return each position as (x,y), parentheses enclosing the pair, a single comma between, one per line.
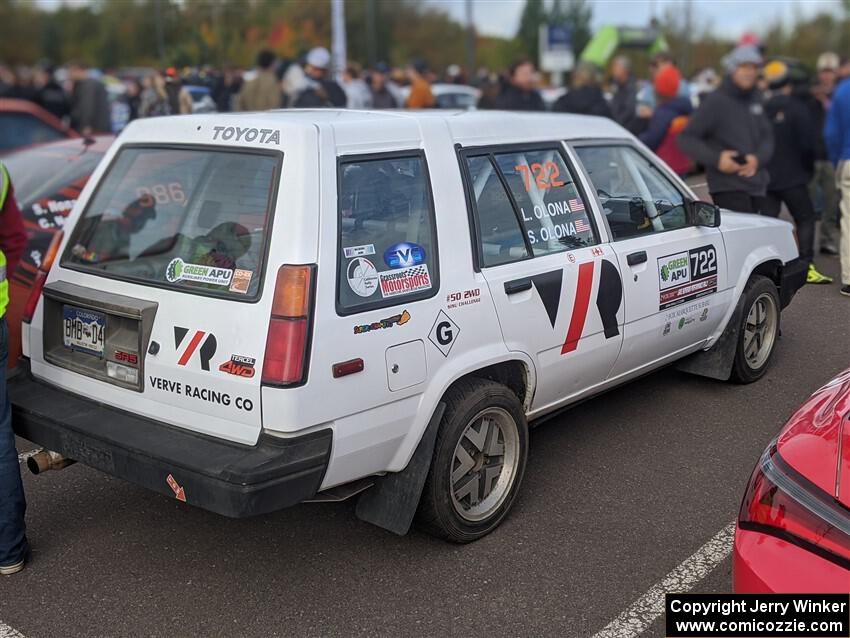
(338,36)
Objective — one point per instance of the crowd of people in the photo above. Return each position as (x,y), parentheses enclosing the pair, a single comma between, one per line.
(765,133)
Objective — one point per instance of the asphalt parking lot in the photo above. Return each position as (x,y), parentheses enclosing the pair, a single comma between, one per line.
(618,492)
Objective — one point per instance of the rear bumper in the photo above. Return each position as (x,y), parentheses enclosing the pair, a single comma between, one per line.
(793,278)
(223,477)
(764,564)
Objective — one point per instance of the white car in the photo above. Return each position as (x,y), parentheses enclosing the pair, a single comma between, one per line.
(252,310)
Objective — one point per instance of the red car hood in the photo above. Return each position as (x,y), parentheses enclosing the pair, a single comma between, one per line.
(816,440)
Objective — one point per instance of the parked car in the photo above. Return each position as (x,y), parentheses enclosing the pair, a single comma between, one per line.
(48,179)
(268,308)
(23,123)
(793,532)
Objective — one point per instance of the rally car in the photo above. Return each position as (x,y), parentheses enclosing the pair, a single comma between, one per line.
(248,311)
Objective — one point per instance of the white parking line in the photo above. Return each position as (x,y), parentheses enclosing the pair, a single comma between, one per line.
(22,458)
(646,609)
(7,632)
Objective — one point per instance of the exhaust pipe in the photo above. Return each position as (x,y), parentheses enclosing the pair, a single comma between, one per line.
(47,460)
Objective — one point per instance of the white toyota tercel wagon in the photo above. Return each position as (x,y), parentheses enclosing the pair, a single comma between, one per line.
(249,311)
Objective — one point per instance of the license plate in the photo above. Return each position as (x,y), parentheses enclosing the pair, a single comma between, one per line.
(83,330)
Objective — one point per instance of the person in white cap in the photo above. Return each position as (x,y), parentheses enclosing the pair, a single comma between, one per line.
(321,90)
(730,135)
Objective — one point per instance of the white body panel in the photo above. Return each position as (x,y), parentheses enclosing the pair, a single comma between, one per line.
(378,415)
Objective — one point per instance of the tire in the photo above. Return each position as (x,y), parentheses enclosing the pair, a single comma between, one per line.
(759,330)
(473,505)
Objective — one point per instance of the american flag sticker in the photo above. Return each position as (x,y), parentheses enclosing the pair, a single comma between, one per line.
(582,226)
(576,205)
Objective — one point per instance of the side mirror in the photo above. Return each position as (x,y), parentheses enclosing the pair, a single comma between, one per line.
(705,214)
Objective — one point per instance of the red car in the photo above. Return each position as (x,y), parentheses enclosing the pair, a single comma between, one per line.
(23,123)
(793,532)
(47,180)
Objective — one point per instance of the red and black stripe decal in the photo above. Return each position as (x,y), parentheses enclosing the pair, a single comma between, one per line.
(580,306)
(609,297)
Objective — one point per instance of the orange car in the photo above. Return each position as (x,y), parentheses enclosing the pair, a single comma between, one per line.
(23,123)
(48,179)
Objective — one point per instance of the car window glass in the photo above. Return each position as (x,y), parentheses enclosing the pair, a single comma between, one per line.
(387,232)
(550,206)
(501,236)
(184,218)
(23,129)
(637,197)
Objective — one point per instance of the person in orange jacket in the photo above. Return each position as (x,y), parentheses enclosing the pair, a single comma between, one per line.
(420,96)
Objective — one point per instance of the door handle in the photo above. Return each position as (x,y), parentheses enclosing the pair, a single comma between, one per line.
(517,285)
(636,258)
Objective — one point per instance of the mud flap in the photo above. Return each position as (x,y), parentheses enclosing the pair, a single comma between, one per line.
(717,361)
(392,502)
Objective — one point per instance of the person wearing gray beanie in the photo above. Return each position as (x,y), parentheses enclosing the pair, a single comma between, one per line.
(744,54)
(731,137)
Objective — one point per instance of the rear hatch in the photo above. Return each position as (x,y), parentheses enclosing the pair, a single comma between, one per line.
(155,307)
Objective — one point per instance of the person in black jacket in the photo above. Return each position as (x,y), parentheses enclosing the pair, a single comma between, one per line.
(520,94)
(792,165)
(624,100)
(730,136)
(585,97)
(51,96)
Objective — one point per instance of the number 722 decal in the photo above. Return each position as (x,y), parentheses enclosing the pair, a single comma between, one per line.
(687,275)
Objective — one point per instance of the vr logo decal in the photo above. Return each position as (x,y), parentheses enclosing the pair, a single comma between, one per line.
(206,352)
(444,333)
(580,306)
(548,286)
(609,298)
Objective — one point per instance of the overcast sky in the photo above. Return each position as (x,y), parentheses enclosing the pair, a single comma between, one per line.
(727,17)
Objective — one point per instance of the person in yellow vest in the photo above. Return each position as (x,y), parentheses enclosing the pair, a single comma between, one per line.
(14,548)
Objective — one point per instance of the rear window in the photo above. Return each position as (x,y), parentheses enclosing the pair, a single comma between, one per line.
(43,171)
(387,241)
(183,218)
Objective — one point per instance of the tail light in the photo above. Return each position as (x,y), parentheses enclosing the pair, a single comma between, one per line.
(782,503)
(41,277)
(288,340)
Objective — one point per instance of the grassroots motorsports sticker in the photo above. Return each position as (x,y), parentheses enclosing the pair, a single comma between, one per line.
(404,281)
(179,270)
